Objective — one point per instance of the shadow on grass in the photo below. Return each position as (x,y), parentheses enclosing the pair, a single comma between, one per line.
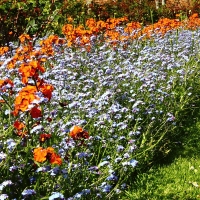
(176,175)
(187,144)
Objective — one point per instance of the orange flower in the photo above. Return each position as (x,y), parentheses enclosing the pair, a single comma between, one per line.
(195,15)
(70,19)
(25,97)
(24,37)
(55,159)
(19,125)
(35,112)
(76,132)
(46,89)
(11,64)
(91,22)
(40,154)
(30,69)
(3,50)
(22,133)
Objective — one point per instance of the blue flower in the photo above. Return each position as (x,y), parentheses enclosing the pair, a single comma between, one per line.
(28,192)
(104,163)
(112,177)
(2,156)
(56,195)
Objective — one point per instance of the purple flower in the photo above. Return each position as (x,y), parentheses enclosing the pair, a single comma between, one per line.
(54,171)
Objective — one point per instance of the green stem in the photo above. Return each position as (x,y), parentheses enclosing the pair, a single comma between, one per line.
(6,102)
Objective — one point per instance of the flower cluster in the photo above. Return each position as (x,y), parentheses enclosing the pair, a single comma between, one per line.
(81,36)
(111,32)
(3,50)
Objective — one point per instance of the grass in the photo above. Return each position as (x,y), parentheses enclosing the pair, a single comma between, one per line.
(177,176)
(179,180)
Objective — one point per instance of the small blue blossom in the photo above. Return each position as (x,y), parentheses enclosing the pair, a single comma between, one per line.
(93,168)
(32,179)
(2,156)
(28,192)
(56,195)
(11,144)
(123,186)
(126,155)
(112,178)
(104,163)
(118,159)
(43,169)
(170,118)
(105,187)
(120,148)
(86,191)
(132,163)
(78,195)
(13,168)
(54,171)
